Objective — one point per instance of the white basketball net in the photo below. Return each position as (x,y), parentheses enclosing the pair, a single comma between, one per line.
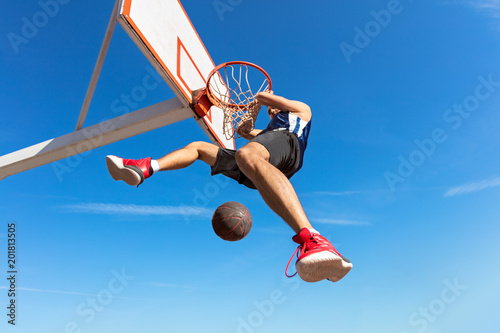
(231,88)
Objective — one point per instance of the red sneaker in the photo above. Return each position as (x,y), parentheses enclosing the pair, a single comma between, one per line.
(318,259)
(132,172)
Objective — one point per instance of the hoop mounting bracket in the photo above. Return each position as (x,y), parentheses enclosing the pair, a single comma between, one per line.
(201,104)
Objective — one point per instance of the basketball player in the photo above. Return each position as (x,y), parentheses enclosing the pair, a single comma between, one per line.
(266,163)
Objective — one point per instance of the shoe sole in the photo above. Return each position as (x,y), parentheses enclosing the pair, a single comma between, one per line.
(121,172)
(322,265)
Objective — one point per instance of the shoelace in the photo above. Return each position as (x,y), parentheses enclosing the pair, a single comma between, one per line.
(289,261)
(302,247)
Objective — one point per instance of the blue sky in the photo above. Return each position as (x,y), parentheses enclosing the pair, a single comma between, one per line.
(401,174)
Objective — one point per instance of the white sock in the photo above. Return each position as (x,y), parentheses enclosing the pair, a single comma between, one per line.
(313,231)
(155,165)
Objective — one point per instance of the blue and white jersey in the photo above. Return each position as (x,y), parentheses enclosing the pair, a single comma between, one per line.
(290,122)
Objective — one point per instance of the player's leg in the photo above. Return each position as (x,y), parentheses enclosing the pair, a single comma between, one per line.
(272,184)
(134,172)
(318,258)
(186,156)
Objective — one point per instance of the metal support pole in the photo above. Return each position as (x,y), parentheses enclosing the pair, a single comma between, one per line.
(98,66)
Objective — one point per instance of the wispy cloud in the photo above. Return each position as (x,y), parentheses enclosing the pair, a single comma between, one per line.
(473,187)
(65,292)
(486,4)
(488,7)
(336,194)
(129,209)
(169,285)
(340,222)
(343,193)
(51,291)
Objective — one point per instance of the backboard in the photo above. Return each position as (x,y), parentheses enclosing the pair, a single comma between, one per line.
(165,35)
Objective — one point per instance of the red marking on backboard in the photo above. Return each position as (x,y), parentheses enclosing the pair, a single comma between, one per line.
(180,47)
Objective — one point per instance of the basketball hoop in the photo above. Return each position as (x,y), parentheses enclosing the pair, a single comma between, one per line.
(229,87)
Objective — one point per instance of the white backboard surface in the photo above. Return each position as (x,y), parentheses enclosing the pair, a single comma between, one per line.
(166,36)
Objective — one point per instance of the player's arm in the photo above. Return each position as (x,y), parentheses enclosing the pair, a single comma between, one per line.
(302,110)
(249,136)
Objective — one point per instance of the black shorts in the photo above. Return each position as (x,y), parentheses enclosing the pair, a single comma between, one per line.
(283,148)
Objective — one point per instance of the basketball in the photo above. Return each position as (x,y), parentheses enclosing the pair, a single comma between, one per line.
(232,221)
